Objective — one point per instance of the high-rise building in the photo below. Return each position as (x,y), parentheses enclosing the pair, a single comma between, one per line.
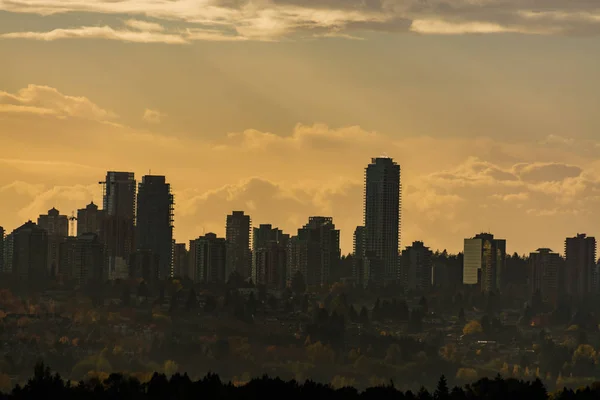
(358,267)
(315,251)
(154,229)
(382,216)
(90,220)
(580,259)
(57,227)
(238,244)
(29,252)
(269,256)
(82,258)
(484,260)
(2,250)
(544,274)
(118,231)
(145,264)
(416,267)
(180,260)
(208,258)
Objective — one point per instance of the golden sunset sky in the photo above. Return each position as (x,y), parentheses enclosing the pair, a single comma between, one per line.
(275,108)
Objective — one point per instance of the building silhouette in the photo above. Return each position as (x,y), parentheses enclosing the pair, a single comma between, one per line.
(145,265)
(28,252)
(207,259)
(382,219)
(580,262)
(82,259)
(237,234)
(269,256)
(545,271)
(90,220)
(180,260)
(119,211)
(484,261)
(315,251)
(57,227)
(416,267)
(359,253)
(154,228)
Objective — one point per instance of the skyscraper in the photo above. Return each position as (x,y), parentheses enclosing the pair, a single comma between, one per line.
(580,257)
(238,244)
(29,252)
(315,251)
(180,260)
(484,261)
(382,217)
(358,272)
(154,229)
(90,220)
(118,231)
(57,227)
(269,256)
(82,258)
(416,267)
(544,274)
(208,259)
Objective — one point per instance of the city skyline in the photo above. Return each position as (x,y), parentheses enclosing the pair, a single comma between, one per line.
(500,123)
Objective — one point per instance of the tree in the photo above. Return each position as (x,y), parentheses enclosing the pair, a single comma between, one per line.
(472,328)
(442,392)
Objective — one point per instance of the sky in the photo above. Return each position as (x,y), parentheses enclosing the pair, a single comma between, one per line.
(275,107)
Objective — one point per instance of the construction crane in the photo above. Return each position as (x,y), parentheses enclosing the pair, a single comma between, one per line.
(72,226)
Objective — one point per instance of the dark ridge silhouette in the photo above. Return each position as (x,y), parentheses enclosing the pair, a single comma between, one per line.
(44,384)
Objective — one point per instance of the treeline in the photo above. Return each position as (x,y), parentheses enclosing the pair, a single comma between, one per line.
(44,384)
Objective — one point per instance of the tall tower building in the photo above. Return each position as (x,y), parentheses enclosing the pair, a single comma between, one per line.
(484,261)
(180,260)
(238,244)
(269,256)
(359,239)
(82,258)
(119,212)
(416,267)
(154,229)
(580,257)
(208,259)
(544,274)
(382,217)
(29,252)
(315,251)
(57,227)
(90,220)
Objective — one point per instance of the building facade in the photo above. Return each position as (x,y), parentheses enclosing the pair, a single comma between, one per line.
(484,261)
(359,253)
(580,262)
(154,228)
(2,250)
(544,274)
(82,259)
(315,251)
(29,252)
(57,227)
(208,259)
(119,200)
(416,268)
(90,220)
(382,216)
(269,255)
(237,234)
(180,260)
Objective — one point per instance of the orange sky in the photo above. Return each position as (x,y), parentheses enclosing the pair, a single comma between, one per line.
(276,107)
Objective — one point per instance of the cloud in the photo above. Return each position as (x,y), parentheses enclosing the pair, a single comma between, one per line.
(277,19)
(98,32)
(153,116)
(44,100)
(530,194)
